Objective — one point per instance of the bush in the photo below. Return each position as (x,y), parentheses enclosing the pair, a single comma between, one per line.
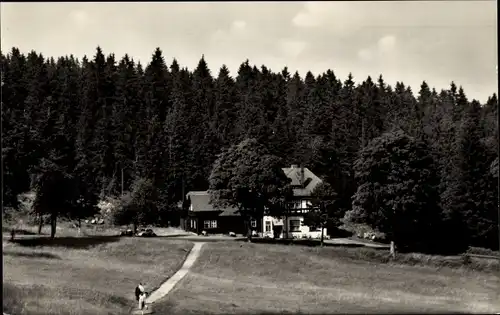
(482,251)
(359,230)
(415,259)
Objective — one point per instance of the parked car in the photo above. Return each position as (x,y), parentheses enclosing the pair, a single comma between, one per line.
(127,232)
(146,233)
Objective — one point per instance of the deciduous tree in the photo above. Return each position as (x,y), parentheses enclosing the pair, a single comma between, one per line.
(396,189)
(247,177)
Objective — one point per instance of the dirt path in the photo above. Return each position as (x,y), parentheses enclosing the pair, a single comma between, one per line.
(168,285)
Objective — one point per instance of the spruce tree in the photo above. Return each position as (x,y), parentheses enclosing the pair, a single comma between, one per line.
(225,113)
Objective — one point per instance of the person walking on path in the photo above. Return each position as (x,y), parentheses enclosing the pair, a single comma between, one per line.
(139,290)
(142,300)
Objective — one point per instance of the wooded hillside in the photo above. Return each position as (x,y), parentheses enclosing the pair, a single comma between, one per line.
(91,120)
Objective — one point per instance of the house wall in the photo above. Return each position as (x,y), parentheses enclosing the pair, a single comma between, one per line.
(191,224)
(301,204)
(304,232)
(197,221)
(225,224)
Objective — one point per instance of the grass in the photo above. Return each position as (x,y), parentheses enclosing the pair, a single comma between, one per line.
(91,275)
(233,278)
(357,251)
(66,229)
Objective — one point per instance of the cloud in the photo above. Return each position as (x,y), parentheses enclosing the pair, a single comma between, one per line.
(383,52)
(291,47)
(386,44)
(311,16)
(80,18)
(365,54)
(412,41)
(350,17)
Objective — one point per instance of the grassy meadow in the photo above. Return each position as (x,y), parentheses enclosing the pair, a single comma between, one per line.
(96,273)
(88,275)
(233,277)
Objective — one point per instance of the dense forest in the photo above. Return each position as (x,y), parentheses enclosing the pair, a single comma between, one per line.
(92,127)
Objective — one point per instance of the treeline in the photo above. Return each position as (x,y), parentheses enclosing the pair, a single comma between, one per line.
(100,124)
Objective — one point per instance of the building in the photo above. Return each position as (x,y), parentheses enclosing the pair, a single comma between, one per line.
(292,225)
(203,216)
(200,215)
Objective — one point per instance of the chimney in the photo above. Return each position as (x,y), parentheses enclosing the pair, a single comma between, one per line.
(301,175)
(295,166)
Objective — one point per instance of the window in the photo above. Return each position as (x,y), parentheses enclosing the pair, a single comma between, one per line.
(294,225)
(210,224)
(297,205)
(253,223)
(193,223)
(268,226)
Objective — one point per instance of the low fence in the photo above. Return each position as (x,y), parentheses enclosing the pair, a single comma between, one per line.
(483,256)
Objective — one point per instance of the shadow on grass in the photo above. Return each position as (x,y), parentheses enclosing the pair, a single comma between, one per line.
(300,242)
(67,242)
(173,235)
(19,231)
(205,238)
(31,255)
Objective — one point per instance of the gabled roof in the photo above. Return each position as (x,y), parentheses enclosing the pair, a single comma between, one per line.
(200,201)
(310,180)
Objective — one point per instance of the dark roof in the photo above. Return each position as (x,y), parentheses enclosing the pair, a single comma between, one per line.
(310,180)
(200,200)
(229,212)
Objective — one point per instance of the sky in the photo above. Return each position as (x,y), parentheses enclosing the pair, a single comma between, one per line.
(408,41)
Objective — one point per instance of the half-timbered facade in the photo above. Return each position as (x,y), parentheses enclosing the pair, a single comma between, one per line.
(292,224)
(201,215)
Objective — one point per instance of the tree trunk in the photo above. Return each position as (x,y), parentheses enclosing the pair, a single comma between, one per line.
(322,236)
(393,250)
(249,231)
(40,224)
(53,225)
(79,227)
(135,227)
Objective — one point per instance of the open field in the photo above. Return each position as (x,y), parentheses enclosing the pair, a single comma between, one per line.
(66,229)
(91,275)
(234,277)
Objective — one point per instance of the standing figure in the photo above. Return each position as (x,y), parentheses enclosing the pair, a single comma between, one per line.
(142,300)
(139,290)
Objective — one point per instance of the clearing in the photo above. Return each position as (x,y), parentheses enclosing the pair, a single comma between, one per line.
(89,275)
(237,278)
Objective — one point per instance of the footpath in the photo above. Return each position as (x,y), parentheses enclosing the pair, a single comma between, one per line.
(168,285)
